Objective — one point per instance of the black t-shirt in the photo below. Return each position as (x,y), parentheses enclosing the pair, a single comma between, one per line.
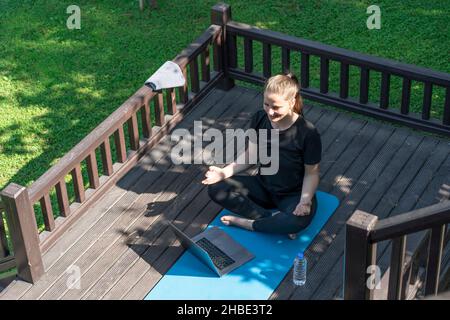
(300,144)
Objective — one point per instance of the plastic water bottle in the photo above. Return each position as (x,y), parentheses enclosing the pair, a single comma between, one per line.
(300,269)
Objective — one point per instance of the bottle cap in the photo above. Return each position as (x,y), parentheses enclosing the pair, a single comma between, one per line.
(300,255)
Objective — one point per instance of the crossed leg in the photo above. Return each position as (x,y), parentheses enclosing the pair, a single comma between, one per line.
(243,195)
(247,197)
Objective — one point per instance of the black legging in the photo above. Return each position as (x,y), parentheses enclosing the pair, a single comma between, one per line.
(248,197)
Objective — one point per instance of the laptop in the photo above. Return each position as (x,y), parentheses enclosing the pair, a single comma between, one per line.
(215,248)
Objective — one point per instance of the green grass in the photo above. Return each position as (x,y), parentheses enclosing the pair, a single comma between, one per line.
(8,273)
(56,85)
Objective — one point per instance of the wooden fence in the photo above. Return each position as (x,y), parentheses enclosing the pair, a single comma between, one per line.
(364,231)
(220,42)
(306,50)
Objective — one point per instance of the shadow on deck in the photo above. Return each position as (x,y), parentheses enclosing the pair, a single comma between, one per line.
(121,249)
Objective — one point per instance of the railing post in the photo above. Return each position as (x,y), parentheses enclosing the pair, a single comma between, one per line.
(220,15)
(23,231)
(359,255)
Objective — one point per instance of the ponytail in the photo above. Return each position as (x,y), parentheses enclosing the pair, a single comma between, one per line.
(298,106)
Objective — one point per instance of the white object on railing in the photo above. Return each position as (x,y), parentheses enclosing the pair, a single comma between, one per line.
(169,75)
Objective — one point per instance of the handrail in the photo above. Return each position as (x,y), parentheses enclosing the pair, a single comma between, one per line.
(341,54)
(410,222)
(362,102)
(85,146)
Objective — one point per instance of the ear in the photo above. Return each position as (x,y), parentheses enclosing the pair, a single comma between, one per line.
(292,103)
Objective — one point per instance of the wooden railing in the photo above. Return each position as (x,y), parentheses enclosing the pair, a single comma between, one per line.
(364,231)
(29,244)
(306,50)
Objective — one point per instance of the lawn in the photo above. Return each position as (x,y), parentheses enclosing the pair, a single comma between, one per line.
(56,84)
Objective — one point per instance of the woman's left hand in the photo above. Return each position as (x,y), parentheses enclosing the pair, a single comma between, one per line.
(302,209)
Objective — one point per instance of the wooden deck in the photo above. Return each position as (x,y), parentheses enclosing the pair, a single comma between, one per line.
(121,248)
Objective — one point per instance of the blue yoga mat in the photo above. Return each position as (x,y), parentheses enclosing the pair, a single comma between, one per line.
(190,279)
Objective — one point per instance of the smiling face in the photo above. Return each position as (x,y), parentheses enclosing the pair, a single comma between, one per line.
(277,107)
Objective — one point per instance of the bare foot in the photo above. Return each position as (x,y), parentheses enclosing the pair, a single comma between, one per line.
(226,220)
(238,222)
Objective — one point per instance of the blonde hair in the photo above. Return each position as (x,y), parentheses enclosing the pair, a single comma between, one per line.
(288,87)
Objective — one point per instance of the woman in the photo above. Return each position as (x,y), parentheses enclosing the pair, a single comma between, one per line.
(292,189)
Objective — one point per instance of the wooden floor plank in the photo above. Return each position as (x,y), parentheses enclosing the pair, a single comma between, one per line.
(439,188)
(104,282)
(340,144)
(129,221)
(155,248)
(14,290)
(126,255)
(171,254)
(332,133)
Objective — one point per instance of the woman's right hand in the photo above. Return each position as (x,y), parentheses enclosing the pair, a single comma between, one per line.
(213,175)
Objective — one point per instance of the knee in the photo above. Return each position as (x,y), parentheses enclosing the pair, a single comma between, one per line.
(288,223)
(296,228)
(300,223)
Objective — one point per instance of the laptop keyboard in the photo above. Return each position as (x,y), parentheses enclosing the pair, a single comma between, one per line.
(220,259)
